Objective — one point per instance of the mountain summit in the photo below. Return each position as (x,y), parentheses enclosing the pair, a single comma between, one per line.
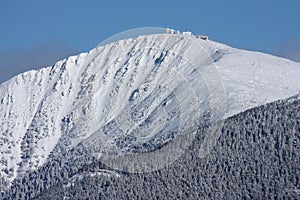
(132,95)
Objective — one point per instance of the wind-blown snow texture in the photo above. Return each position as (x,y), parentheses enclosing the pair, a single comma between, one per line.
(71,100)
(256,157)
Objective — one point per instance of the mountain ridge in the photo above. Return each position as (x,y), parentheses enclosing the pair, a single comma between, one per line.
(82,94)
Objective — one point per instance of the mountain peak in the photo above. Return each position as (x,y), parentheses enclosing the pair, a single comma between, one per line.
(132,92)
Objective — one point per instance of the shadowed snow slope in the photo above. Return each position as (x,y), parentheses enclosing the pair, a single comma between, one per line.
(152,84)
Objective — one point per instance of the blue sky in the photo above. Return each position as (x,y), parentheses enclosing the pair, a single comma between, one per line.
(36,33)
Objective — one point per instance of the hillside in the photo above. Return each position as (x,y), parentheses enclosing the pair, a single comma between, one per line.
(131,97)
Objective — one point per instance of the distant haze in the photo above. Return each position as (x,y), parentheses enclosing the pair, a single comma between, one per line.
(290,49)
(35,57)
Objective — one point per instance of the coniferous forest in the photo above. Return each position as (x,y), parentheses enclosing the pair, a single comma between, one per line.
(257,156)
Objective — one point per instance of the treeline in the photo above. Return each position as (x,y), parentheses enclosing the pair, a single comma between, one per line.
(256,156)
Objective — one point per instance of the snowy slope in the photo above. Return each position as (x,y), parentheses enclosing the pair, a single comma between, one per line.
(154,84)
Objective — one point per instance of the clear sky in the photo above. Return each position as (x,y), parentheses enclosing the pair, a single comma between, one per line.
(36,33)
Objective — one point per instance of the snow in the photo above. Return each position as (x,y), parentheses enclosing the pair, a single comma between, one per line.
(253,79)
(72,180)
(147,86)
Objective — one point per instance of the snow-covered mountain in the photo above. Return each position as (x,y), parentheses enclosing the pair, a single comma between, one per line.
(130,92)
